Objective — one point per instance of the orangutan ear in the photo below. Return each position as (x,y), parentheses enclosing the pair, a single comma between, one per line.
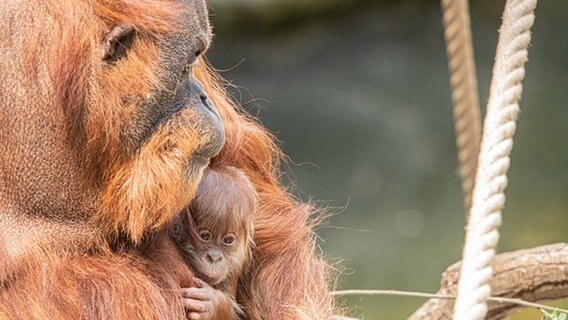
(117,42)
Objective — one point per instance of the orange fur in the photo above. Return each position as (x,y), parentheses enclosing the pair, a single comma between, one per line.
(225,203)
(144,193)
(226,200)
(288,280)
(125,268)
(102,286)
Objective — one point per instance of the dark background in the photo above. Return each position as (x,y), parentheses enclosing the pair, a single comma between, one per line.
(357,93)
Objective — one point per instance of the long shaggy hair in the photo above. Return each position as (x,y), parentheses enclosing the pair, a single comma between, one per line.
(56,42)
(288,279)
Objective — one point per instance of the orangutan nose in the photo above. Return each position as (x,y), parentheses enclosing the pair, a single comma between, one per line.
(214,255)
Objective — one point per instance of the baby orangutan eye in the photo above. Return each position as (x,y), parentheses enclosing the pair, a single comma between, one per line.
(229,239)
(205,235)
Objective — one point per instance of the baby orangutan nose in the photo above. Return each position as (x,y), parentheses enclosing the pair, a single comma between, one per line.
(214,255)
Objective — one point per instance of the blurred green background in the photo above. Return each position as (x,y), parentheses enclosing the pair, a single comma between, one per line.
(357,93)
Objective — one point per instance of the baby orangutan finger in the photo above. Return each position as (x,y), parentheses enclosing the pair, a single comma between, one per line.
(195,316)
(196,305)
(196,293)
(199,283)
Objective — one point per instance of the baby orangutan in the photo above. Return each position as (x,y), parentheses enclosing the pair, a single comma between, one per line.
(216,242)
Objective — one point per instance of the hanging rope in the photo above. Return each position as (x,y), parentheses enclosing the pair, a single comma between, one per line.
(465,99)
(482,234)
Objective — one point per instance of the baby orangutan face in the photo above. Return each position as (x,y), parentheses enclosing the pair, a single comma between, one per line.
(219,225)
(219,253)
(216,242)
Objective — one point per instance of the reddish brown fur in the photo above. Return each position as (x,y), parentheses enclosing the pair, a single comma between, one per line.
(125,181)
(71,270)
(285,255)
(226,199)
(103,286)
(224,204)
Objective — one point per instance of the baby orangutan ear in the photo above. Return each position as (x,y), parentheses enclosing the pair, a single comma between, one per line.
(117,42)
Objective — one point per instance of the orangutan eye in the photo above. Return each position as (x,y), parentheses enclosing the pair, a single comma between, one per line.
(192,62)
(205,235)
(229,239)
(188,69)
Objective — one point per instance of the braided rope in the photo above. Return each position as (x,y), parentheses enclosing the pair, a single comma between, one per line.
(482,234)
(465,99)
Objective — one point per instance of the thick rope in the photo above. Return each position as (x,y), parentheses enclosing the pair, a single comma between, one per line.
(482,234)
(465,98)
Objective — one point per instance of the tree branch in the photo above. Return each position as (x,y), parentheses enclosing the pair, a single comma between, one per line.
(535,274)
(415,294)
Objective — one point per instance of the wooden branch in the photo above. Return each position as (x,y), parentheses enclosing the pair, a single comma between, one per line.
(521,303)
(535,274)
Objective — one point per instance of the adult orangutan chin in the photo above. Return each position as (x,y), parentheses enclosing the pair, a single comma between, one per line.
(107,121)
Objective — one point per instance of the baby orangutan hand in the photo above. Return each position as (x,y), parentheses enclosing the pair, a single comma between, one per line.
(203,302)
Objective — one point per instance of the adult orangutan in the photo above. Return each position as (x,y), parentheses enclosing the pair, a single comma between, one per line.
(106,124)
